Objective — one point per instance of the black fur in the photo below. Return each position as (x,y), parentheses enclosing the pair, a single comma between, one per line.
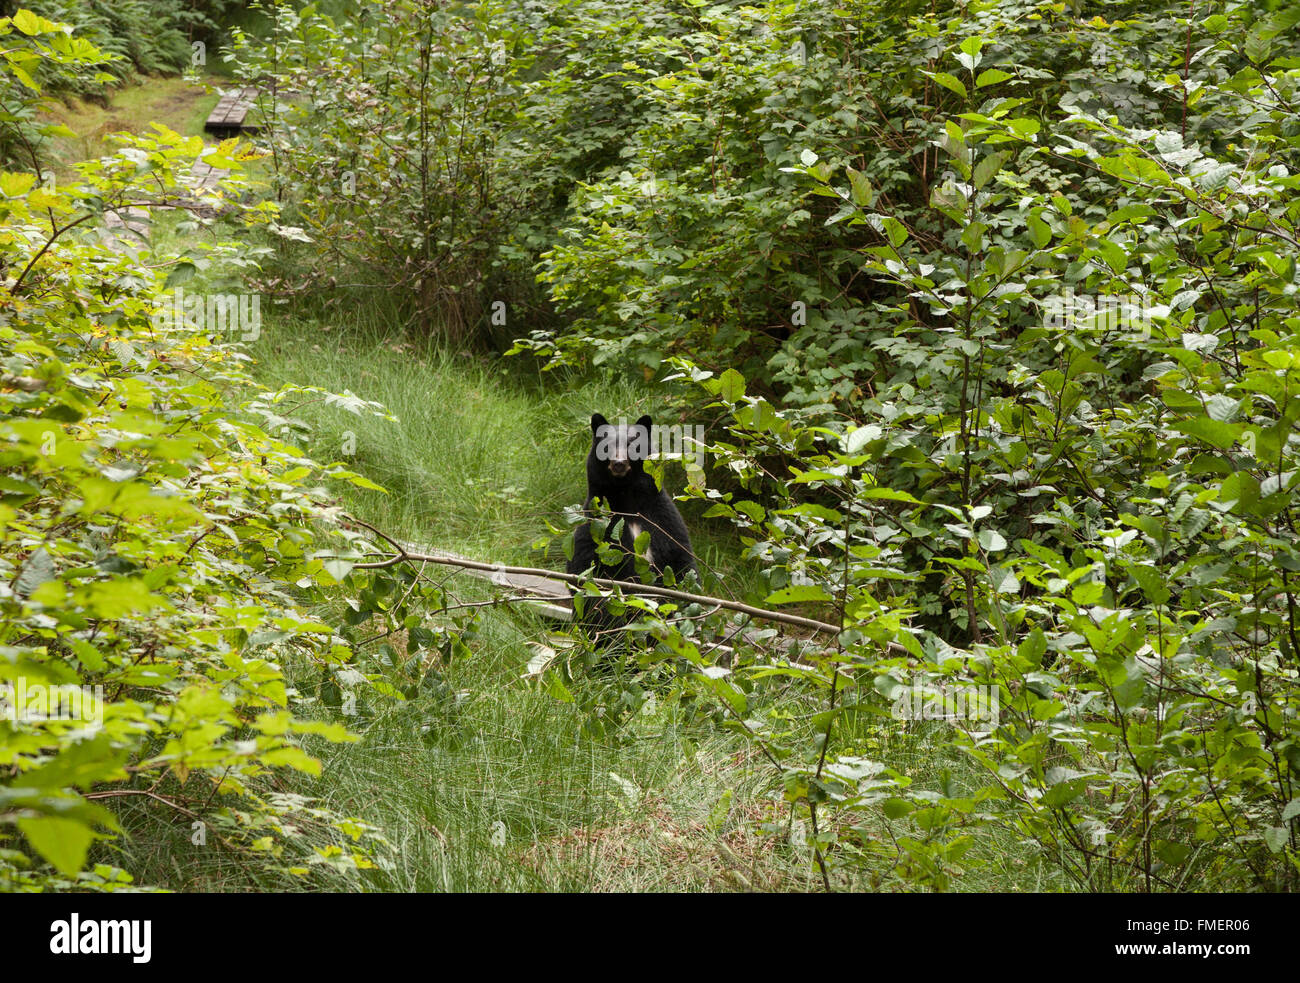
(616,475)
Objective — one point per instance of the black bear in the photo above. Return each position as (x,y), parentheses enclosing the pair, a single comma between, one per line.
(616,475)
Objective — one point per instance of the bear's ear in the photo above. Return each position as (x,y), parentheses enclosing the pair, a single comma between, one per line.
(645,422)
(598,421)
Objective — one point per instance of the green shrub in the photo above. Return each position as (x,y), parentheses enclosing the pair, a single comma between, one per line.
(155,539)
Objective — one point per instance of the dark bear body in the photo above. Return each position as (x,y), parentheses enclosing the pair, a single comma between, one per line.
(616,475)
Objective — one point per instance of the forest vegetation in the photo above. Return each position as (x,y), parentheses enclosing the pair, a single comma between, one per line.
(986,316)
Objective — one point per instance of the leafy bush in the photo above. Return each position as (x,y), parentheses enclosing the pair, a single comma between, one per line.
(389,145)
(1106,493)
(155,540)
(995,309)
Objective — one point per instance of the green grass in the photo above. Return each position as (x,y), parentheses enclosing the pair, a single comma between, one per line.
(487,782)
(477,463)
(170,100)
(481,456)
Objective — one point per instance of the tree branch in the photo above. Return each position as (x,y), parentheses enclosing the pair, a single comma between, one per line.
(405,555)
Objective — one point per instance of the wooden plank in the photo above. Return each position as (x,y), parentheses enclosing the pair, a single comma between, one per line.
(229,115)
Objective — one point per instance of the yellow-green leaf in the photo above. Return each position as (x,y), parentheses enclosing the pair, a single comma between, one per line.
(14,185)
(63,842)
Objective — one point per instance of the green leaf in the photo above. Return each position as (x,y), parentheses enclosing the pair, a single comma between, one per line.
(1129,685)
(1279,21)
(293,757)
(1063,793)
(180,273)
(862,192)
(556,690)
(63,842)
(1033,647)
(337,569)
(1116,258)
(798,594)
(896,808)
(23,76)
(1172,853)
(860,437)
(970,56)
(15,185)
(1214,432)
(720,811)
(991,76)
(1024,128)
(37,569)
(1039,230)
(1151,581)
(14,491)
(27,22)
(988,167)
(1257,46)
(732,386)
(1239,493)
(79,765)
(816,510)
(896,231)
(87,654)
(889,494)
(949,82)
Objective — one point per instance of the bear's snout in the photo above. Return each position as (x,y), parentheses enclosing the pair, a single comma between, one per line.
(619,467)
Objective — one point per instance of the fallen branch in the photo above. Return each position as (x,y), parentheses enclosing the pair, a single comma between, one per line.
(405,555)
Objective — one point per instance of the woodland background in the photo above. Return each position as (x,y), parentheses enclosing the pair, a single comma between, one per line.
(988,311)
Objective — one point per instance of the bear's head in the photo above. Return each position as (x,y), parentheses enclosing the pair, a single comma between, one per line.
(618,450)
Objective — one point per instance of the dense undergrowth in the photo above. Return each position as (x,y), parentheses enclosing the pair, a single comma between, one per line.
(990,311)
(153,531)
(987,312)
(133,37)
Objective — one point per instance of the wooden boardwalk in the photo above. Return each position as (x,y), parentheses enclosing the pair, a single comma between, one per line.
(128,229)
(227,119)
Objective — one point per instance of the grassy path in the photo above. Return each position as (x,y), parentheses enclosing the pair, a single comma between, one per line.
(172,100)
(489,783)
